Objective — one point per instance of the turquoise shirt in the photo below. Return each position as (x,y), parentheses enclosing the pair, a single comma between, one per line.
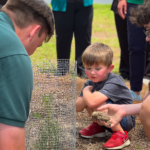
(135,1)
(61,5)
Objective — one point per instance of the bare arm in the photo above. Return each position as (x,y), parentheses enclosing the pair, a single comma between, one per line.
(122,8)
(95,99)
(80,104)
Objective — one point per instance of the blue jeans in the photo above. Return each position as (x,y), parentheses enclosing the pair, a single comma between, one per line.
(123,122)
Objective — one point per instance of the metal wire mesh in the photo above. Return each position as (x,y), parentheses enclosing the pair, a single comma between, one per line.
(52,119)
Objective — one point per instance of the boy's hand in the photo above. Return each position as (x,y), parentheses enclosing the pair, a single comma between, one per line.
(115,112)
(122,8)
(89,88)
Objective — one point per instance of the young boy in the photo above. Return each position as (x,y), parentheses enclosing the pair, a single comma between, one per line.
(104,87)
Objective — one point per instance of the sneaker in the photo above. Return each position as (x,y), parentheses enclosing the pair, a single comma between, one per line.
(135,97)
(118,140)
(94,130)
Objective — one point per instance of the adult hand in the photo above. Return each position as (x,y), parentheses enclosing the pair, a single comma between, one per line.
(122,8)
(115,112)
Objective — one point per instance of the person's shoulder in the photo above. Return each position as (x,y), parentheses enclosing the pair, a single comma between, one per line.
(115,78)
(88,82)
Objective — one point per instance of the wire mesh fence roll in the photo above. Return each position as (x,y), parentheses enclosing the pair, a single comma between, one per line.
(52,119)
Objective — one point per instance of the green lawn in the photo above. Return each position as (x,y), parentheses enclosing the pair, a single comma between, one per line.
(103,31)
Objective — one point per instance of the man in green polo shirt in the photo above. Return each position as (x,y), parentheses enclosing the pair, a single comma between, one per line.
(24,25)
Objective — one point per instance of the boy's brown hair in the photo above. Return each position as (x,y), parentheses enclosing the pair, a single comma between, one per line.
(97,53)
(27,12)
(141,14)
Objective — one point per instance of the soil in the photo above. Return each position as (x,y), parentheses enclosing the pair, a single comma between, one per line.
(100,116)
(137,136)
(52,85)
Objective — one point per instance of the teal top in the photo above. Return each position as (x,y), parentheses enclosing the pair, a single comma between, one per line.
(135,1)
(16,76)
(60,5)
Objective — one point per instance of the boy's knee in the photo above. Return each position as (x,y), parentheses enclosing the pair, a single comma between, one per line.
(11,137)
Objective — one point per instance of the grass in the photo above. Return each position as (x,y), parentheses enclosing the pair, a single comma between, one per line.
(103,30)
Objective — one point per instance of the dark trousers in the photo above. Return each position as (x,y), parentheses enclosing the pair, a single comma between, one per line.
(136,40)
(121,27)
(78,20)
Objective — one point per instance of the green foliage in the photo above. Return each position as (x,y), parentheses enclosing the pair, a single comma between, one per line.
(49,127)
(37,115)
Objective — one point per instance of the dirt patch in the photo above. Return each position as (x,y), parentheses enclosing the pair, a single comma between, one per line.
(100,116)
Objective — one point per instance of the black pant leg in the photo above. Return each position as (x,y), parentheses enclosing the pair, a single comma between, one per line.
(121,27)
(64,32)
(82,31)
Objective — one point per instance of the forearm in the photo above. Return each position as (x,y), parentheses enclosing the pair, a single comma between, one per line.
(131,109)
(87,96)
(80,104)
(94,100)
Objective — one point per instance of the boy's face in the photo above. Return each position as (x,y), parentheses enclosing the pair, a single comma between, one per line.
(98,73)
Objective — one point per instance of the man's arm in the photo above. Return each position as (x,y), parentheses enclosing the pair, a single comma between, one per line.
(122,8)
(95,99)
(118,112)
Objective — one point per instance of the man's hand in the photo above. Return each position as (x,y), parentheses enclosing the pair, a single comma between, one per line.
(115,112)
(89,88)
(122,8)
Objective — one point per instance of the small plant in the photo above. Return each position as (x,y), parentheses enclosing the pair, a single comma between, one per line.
(49,128)
(37,115)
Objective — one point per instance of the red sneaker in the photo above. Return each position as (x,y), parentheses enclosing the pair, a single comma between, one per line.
(94,130)
(118,140)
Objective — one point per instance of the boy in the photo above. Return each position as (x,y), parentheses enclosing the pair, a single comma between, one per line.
(104,87)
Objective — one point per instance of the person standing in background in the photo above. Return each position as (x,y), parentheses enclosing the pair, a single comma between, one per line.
(121,27)
(72,17)
(136,41)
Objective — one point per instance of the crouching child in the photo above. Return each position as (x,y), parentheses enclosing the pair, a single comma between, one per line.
(102,88)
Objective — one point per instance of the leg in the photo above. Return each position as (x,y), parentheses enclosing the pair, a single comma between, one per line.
(64,34)
(121,27)
(82,29)
(118,128)
(94,130)
(119,138)
(11,137)
(136,40)
(145,116)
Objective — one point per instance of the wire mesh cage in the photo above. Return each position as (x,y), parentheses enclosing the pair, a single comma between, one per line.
(52,120)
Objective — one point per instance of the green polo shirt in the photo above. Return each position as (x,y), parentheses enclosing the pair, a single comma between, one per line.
(16,77)
(135,1)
